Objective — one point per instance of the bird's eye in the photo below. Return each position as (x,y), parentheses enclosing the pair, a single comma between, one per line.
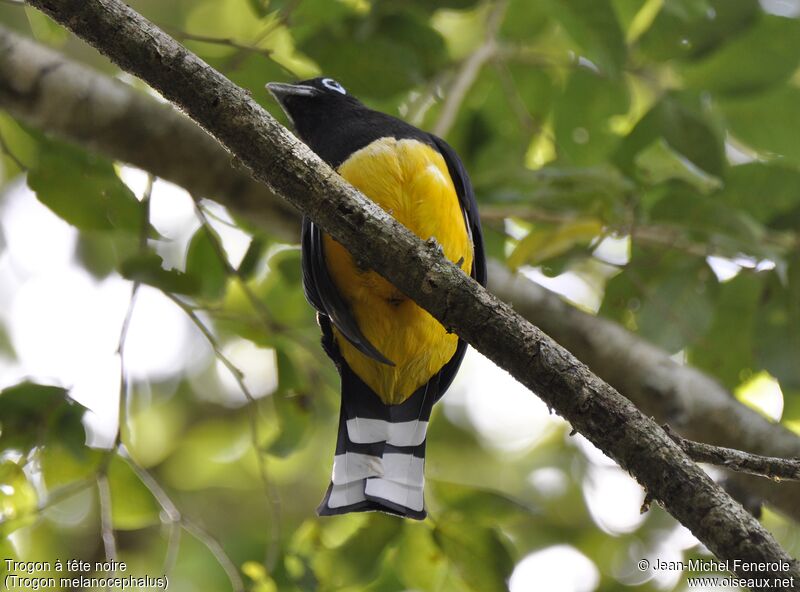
(331,84)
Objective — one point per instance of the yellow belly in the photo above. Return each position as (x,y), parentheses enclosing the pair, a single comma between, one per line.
(409,180)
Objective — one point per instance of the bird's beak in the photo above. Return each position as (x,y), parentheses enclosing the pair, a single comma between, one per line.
(281,91)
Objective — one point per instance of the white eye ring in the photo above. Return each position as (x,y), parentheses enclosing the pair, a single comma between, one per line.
(331,84)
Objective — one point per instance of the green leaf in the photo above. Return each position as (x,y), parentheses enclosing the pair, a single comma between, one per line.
(691,28)
(389,55)
(663,295)
(582,116)
(31,414)
(357,560)
(677,311)
(61,467)
(261,7)
(6,347)
(523,20)
(312,16)
(489,133)
(659,162)
(257,573)
(102,252)
(726,350)
(481,505)
(542,244)
(791,406)
(593,25)
(494,242)
(45,29)
(132,505)
(419,561)
(766,191)
(203,264)
(763,121)
(680,120)
(248,69)
(17,498)
(21,142)
(764,55)
(728,231)
(292,407)
(636,16)
(777,333)
(589,191)
(432,5)
(480,557)
(279,291)
(148,269)
(252,257)
(84,190)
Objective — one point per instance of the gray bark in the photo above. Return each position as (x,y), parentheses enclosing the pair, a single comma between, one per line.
(49,92)
(687,399)
(736,460)
(293,172)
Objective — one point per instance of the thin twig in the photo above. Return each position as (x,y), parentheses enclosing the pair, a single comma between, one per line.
(173,546)
(262,313)
(225,41)
(122,403)
(123,334)
(212,340)
(174,516)
(470,69)
(255,302)
(273,500)
(59,495)
(216,549)
(533,56)
(106,522)
(417,107)
(171,511)
(63,493)
(777,469)
(282,17)
(512,94)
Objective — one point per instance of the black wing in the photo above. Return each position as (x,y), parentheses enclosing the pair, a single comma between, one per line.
(466,196)
(469,206)
(321,292)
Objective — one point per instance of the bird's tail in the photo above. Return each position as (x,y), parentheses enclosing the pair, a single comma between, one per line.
(380,452)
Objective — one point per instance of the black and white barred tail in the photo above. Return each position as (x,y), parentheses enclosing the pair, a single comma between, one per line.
(380,452)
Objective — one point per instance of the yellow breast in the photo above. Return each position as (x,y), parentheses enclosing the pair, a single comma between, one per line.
(409,180)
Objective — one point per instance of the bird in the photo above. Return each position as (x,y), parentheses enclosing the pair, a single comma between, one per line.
(394,359)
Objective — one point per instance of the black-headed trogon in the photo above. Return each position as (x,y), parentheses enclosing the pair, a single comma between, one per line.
(395,359)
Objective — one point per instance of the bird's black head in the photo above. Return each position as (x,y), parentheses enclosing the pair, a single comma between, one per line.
(331,121)
(308,101)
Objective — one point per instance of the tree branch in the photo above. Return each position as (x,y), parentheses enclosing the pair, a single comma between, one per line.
(292,171)
(470,69)
(273,502)
(683,396)
(173,516)
(49,92)
(106,522)
(736,460)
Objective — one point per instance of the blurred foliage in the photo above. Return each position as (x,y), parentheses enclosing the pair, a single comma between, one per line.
(669,126)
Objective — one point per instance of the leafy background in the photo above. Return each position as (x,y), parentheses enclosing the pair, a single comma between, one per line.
(639,156)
